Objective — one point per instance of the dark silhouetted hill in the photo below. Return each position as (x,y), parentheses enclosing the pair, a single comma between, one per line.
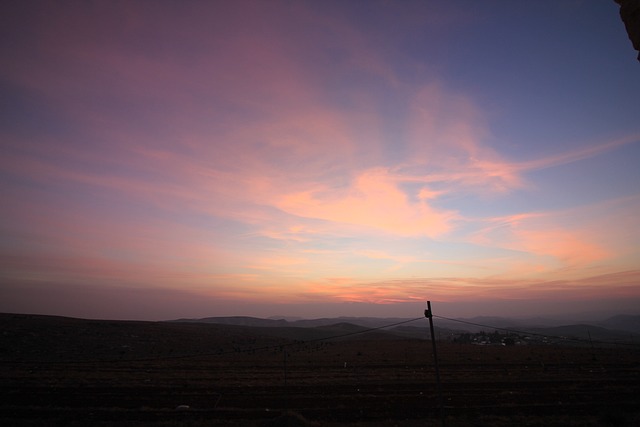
(622,322)
(239,321)
(62,339)
(57,339)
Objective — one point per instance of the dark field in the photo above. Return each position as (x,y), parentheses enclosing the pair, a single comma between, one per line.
(70,372)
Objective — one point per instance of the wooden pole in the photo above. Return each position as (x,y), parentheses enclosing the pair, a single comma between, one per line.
(429,315)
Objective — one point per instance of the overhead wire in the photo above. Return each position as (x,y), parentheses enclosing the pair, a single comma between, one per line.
(236,351)
(296,343)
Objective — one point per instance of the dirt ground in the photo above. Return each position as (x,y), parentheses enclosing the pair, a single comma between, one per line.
(358,383)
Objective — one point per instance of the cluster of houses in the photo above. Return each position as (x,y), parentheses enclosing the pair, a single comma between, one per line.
(499,338)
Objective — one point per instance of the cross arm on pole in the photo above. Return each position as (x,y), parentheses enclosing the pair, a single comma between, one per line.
(427,313)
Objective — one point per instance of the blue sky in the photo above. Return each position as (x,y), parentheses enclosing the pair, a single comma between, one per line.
(190,159)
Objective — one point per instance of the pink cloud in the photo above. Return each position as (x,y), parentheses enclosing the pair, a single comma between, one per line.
(568,246)
(480,290)
(543,236)
(374,201)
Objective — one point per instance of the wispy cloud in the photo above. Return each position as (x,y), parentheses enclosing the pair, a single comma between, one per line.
(578,154)
(461,289)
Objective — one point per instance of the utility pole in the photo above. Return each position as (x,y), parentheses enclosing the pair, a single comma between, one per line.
(429,315)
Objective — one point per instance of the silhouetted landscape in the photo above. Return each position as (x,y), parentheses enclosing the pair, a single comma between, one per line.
(341,371)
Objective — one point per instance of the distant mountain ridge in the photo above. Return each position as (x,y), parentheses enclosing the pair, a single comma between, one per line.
(367,322)
(615,327)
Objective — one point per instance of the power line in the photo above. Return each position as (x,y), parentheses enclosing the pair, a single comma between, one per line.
(235,351)
(359,332)
(292,344)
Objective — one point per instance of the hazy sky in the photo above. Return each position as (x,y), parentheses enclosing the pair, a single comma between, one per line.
(163,159)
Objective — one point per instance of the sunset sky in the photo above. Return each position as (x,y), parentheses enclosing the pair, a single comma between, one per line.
(165,159)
